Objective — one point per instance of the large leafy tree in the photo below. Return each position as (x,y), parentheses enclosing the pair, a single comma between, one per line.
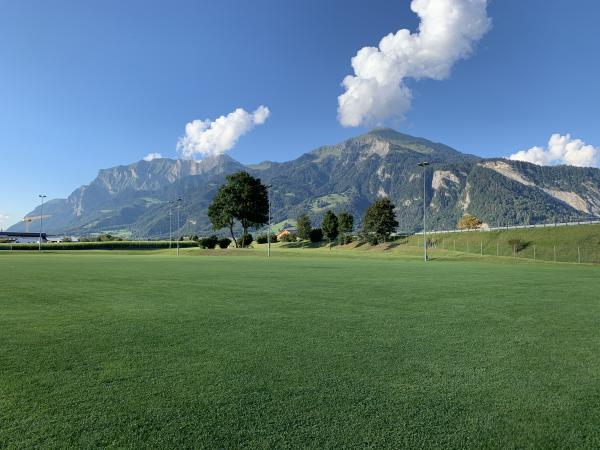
(380,219)
(330,226)
(243,198)
(221,211)
(304,227)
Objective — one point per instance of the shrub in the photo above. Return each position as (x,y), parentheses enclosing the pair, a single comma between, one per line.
(224,242)
(316,235)
(372,239)
(262,239)
(469,222)
(288,238)
(209,242)
(346,239)
(246,240)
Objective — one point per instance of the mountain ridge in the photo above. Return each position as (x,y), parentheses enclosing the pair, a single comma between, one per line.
(133,199)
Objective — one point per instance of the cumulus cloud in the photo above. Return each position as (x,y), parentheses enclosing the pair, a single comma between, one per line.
(561,150)
(448,31)
(208,138)
(151,156)
(4,220)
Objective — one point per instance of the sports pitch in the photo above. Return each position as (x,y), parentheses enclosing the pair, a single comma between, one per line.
(149,350)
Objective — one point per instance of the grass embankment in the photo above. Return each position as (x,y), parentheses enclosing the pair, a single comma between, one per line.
(150,350)
(572,244)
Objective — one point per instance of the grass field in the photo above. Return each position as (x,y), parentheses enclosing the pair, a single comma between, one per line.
(307,349)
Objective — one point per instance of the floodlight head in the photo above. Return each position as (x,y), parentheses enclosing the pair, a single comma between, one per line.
(423,164)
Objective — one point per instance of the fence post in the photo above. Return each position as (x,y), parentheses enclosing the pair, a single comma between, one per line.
(454,244)
(554,253)
(480,248)
(497,249)
(578,255)
(534,252)
(467,246)
(514,250)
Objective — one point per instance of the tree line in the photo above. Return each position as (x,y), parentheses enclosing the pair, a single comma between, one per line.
(243,201)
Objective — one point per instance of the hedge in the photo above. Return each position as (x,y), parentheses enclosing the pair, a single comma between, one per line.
(110,245)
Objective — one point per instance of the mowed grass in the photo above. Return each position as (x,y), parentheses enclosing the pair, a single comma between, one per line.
(150,350)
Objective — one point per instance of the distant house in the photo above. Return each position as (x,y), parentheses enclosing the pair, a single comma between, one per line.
(287,231)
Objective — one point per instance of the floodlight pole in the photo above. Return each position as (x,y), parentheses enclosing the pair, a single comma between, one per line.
(269,214)
(178,231)
(170,223)
(42,196)
(424,165)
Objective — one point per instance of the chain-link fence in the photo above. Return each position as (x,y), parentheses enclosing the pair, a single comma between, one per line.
(515,248)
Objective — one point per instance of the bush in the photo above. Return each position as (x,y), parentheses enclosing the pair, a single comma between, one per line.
(224,242)
(262,239)
(346,239)
(209,242)
(372,239)
(92,245)
(246,240)
(288,238)
(316,235)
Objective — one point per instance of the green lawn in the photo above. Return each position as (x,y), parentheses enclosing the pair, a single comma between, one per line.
(149,350)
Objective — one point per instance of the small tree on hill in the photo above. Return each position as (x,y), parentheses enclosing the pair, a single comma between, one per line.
(380,219)
(346,225)
(330,226)
(304,226)
(469,222)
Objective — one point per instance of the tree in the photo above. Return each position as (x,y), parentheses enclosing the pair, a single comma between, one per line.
(221,211)
(330,226)
(243,198)
(380,219)
(251,206)
(304,227)
(346,224)
(469,222)
(316,235)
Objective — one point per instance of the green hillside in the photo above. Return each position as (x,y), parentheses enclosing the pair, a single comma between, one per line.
(523,243)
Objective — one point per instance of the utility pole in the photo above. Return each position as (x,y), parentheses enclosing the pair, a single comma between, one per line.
(424,165)
(170,223)
(269,186)
(178,232)
(42,196)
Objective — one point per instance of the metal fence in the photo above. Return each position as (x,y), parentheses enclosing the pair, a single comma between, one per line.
(565,253)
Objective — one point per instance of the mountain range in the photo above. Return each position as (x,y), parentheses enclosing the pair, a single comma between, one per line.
(133,200)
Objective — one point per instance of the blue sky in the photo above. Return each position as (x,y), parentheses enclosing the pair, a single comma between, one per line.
(86,85)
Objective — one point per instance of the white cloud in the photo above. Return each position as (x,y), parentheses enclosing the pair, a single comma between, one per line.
(4,220)
(561,150)
(447,33)
(151,156)
(207,138)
